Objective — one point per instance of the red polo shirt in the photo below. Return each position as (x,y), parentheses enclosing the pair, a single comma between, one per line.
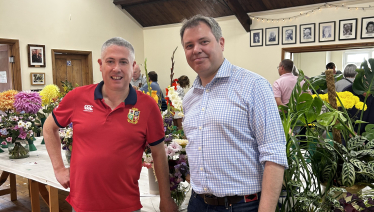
(108,147)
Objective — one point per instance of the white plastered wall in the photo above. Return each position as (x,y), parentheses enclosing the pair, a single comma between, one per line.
(67,24)
(159,42)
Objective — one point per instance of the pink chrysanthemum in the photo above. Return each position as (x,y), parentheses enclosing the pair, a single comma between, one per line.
(27,101)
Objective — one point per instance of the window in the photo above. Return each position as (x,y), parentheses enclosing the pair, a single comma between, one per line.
(357,56)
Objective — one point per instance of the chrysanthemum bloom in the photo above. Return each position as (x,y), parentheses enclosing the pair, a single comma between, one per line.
(359,106)
(7,100)
(27,101)
(49,94)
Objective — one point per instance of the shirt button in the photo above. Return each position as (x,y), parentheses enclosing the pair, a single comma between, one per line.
(200,128)
(199,147)
(207,90)
(202,109)
(201,168)
(205,189)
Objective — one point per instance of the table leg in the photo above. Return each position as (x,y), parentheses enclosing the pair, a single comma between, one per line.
(13,187)
(53,199)
(34,190)
(3,177)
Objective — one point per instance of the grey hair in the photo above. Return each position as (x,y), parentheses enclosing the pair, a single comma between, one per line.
(295,71)
(118,41)
(350,70)
(196,20)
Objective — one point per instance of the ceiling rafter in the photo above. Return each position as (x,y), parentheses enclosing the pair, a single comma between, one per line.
(240,14)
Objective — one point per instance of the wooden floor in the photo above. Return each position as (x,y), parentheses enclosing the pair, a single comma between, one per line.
(23,204)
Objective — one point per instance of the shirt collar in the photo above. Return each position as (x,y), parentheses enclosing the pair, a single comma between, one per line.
(223,71)
(131,99)
(286,74)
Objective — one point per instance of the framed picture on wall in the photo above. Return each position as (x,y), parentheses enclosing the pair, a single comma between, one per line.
(367,27)
(256,37)
(36,55)
(326,31)
(307,33)
(37,78)
(272,36)
(348,29)
(289,35)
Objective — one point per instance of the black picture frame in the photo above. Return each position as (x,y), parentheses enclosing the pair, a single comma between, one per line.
(289,34)
(326,31)
(36,55)
(367,27)
(256,38)
(271,36)
(344,32)
(307,33)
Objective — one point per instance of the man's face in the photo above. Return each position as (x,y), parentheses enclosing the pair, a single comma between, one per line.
(280,67)
(116,67)
(34,52)
(347,27)
(136,73)
(370,28)
(203,52)
(326,31)
(307,32)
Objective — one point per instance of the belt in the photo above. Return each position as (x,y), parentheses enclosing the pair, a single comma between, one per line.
(228,200)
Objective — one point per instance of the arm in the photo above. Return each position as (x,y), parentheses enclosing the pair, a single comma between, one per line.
(53,145)
(162,174)
(279,101)
(271,186)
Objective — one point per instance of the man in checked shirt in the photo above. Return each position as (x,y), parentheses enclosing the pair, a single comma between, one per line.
(236,149)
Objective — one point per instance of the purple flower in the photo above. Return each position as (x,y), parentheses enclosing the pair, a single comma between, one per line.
(3,131)
(27,101)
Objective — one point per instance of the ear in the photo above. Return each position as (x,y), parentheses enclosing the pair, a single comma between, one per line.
(100,63)
(133,65)
(222,43)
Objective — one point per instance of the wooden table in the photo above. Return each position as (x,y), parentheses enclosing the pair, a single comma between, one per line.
(38,169)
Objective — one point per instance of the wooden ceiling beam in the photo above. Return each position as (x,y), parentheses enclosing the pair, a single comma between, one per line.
(126,3)
(240,14)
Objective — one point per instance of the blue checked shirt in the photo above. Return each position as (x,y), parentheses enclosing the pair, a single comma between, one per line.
(233,127)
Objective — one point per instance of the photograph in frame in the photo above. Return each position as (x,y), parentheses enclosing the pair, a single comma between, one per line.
(256,37)
(36,55)
(37,78)
(307,33)
(367,27)
(289,34)
(272,36)
(348,29)
(326,31)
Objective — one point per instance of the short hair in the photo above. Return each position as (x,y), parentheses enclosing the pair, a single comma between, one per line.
(196,20)
(330,65)
(118,41)
(350,70)
(287,65)
(152,76)
(368,23)
(183,81)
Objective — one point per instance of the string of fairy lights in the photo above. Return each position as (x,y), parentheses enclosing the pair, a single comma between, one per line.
(325,6)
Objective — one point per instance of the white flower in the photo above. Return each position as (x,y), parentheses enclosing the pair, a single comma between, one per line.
(28,124)
(170,151)
(176,147)
(148,158)
(182,142)
(21,124)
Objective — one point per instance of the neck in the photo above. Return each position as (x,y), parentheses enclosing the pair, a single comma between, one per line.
(115,97)
(205,79)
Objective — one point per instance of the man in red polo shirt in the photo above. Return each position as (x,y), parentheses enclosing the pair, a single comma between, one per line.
(112,123)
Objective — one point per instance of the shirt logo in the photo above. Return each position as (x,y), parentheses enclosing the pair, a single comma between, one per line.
(88,108)
(133,116)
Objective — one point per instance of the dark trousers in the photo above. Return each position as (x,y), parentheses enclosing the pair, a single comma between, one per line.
(197,204)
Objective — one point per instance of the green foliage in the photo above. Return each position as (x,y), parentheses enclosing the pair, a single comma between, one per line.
(348,177)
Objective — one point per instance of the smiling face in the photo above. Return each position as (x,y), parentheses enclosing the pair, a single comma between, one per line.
(370,28)
(116,67)
(307,32)
(203,53)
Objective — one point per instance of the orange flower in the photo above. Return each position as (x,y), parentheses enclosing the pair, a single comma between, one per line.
(7,100)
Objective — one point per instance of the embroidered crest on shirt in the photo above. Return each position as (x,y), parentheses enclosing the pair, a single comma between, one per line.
(133,116)
(88,108)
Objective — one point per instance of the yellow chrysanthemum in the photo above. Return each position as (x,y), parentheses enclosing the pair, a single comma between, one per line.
(154,96)
(314,96)
(49,94)
(359,106)
(7,100)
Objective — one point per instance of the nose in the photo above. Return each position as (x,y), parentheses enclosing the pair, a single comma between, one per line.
(197,49)
(117,67)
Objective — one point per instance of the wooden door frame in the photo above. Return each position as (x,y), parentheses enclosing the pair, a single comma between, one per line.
(88,54)
(15,68)
(334,47)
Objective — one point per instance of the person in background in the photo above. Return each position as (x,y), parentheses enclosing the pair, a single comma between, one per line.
(236,143)
(183,82)
(349,76)
(152,76)
(138,80)
(282,87)
(112,124)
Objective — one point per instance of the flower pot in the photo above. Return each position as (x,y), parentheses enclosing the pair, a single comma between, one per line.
(19,149)
(68,155)
(42,120)
(153,184)
(30,141)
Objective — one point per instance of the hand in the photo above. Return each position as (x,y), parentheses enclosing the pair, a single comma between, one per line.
(136,88)
(168,205)
(63,177)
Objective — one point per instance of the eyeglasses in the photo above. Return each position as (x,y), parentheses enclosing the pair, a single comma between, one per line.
(278,66)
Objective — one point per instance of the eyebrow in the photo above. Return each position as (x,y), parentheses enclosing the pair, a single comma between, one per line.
(203,38)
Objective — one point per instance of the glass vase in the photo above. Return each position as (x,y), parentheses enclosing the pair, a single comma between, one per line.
(18,149)
(179,195)
(68,155)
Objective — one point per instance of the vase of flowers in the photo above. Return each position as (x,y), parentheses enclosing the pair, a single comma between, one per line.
(19,149)
(66,138)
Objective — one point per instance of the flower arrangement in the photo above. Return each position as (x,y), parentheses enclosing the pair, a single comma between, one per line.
(50,96)
(18,122)
(7,100)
